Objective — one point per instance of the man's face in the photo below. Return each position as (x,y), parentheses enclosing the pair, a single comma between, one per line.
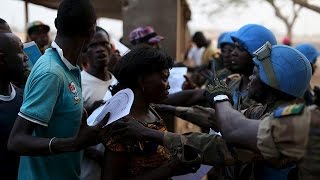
(99,51)
(241,60)
(15,59)
(226,51)
(255,86)
(41,37)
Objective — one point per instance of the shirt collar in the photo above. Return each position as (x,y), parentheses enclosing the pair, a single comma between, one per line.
(11,96)
(54,45)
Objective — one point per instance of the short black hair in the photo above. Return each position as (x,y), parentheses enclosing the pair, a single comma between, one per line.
(98,28)
(199,39)
(2,21)
(4,26)
(141,61)
(75,17)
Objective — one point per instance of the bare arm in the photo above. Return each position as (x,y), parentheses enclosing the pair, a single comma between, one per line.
(235,127)
(22,141)
(186,98)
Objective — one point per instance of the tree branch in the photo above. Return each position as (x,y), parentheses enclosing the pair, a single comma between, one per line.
(278,12)
(305,4)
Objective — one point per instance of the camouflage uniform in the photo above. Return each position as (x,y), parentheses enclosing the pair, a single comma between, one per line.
(240,98)
(282,138)
(309,167)
(223,73)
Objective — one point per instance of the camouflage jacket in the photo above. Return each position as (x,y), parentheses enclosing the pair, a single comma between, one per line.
(240,98)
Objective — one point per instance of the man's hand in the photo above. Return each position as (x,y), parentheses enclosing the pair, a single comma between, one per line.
(90,135)
(217,87)
(198,115)
(188,83)
(95,105)
(128,127)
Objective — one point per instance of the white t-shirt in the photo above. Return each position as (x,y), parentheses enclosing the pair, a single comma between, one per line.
(94,89)
(195,54)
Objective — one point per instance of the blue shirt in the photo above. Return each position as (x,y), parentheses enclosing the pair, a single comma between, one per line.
(52,99)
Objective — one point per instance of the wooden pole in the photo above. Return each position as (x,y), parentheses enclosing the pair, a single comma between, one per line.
(26,17)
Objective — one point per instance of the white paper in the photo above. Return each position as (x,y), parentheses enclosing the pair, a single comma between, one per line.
(120,47)
(202,171)
(176,79)
(118,105)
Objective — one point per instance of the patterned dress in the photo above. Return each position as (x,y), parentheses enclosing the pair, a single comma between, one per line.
(143,155)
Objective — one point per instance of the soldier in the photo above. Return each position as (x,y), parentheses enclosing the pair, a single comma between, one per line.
(227,46)
(247,40)
(311,54)
(309,166)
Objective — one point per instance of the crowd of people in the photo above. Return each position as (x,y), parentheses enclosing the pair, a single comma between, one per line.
(253,95)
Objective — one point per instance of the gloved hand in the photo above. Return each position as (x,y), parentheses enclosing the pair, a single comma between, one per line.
(186,160)
(217,87)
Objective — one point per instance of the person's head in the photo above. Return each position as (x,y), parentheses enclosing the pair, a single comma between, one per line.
(98,52)
(38,32)
(311,53)
(227,46)
(199,39)
(286,41)
(280,71)
(247,40)
(12,58)
(4,27)
(220,38)
(76,19)
(145,70)
(145,35)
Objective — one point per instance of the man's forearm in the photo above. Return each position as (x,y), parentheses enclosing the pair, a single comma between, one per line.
(35,146)
(235,127)
(22,141)
(185,98)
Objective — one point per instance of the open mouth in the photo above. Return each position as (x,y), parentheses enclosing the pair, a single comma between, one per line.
(101,56)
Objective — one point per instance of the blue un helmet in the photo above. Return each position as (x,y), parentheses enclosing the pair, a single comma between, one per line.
(284,68)
(253,36)
(309,51)
(220,38)
(226,39)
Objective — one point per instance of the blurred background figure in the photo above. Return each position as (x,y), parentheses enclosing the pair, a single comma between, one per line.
(202,52)
(287,41)
(12,61)
(38,32)
(145,35)
(311,54)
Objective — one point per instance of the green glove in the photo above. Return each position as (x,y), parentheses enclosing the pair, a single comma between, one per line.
(215,88)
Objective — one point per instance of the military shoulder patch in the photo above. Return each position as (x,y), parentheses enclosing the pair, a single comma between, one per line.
(289,110)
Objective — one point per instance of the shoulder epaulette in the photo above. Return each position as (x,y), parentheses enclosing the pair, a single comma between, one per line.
(289,110)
